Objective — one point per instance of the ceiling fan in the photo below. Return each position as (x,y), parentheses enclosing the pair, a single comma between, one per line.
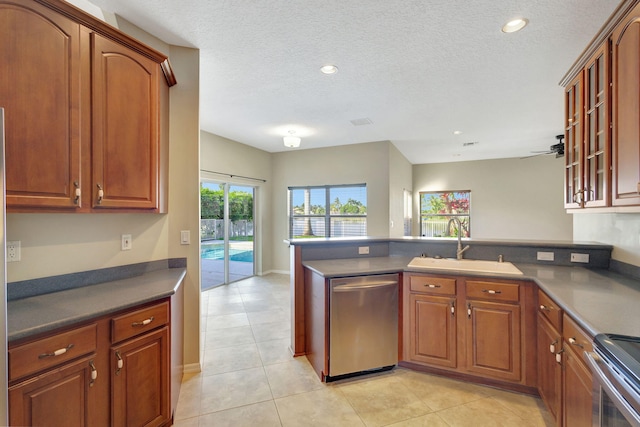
(557,149)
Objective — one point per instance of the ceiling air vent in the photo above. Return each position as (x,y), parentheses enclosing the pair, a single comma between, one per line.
(469,144)
(361,122)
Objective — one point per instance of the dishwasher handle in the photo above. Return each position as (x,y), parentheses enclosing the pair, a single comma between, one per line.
(352,287)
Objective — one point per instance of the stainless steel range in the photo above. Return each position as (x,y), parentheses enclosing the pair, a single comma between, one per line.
(615,364)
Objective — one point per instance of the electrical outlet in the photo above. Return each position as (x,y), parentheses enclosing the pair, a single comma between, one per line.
(13,251)
(127,242)
(545,256)
(363,250)
(584,258)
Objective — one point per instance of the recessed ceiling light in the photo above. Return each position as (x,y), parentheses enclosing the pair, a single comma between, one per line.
(457,132)
(329,69)
(515,25)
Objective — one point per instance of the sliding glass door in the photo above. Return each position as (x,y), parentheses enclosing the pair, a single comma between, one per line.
(227,232)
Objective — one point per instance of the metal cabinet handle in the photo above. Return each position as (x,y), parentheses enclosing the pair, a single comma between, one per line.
(100,194)
(94,373)
(469,310)
(552,346)
(145,322)
(429,285)
(573,341)
(544,308)
(453,308)
(76,184)
(559,357)
(491,291)
(119,363)
(56,352)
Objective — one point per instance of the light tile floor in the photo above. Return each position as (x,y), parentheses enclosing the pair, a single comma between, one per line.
(250,379)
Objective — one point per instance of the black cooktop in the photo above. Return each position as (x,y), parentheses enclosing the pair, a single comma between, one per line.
(624,352)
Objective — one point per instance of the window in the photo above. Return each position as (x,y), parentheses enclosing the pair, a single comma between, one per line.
(438,211)
(328,211)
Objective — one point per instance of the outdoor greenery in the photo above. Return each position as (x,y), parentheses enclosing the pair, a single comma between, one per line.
(353,207)
(438,207)
(212,204)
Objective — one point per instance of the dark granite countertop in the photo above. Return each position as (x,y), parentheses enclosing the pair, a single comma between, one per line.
(599,300)
(37,314)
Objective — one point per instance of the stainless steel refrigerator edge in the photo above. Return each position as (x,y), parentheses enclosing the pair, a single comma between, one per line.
(3,285)
(363,323)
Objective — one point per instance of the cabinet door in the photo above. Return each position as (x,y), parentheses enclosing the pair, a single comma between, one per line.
(549,369)
(573,144)
(57,398)
(140,380)
(577,391)
(596,191)
(626,111)
(433,330)
(125,92)
(493,343)
(40,92)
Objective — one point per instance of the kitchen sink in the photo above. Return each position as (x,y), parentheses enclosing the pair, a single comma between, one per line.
(473,265)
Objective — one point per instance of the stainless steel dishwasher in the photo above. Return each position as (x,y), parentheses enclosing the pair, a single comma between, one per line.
(363,324)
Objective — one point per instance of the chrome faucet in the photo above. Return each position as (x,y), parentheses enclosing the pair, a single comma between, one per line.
(460,249)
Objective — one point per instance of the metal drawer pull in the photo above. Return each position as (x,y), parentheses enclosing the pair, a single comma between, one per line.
(57,352)
(119,364)
(145,322)
(573,341)
(429,285)
(544,308)
(491,291)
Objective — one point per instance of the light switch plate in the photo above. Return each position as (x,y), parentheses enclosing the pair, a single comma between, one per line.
(185,237)
(127,242)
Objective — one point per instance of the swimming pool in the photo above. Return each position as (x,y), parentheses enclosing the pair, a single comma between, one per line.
(217,252)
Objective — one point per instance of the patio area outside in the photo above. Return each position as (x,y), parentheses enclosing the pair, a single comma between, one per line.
(212,262)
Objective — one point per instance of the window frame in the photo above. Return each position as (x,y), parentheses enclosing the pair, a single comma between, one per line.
(466,215)
(328,216)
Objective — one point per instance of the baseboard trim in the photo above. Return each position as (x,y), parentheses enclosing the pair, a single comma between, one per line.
(192,368)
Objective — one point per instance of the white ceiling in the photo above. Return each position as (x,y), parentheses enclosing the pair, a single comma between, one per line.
(417,69)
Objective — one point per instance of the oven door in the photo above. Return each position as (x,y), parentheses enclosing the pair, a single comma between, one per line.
(611,395)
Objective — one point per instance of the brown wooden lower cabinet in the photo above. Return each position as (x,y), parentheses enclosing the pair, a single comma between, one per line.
(577,391)
(59,397)
(140,393)
(483,329)
(493,340)
(549,367)
(433,339)
(112,371)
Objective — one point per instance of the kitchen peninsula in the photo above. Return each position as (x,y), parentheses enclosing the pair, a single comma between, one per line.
(589,297)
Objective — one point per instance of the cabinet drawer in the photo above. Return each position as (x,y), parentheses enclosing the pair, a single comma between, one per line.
(550,310)
(576,338)
(433,285)
(493,291)
(51,351)
(136,322)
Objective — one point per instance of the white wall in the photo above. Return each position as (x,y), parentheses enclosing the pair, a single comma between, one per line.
(510,198)
(350,164)
(620,230)
(400,179)
(218,154)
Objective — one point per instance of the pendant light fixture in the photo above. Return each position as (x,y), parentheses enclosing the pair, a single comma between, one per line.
(291,140)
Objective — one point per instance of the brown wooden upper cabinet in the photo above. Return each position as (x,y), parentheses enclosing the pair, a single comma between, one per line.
(82,112)
(602,116)
(625,42)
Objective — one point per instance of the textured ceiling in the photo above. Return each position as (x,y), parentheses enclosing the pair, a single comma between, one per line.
(417,69)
